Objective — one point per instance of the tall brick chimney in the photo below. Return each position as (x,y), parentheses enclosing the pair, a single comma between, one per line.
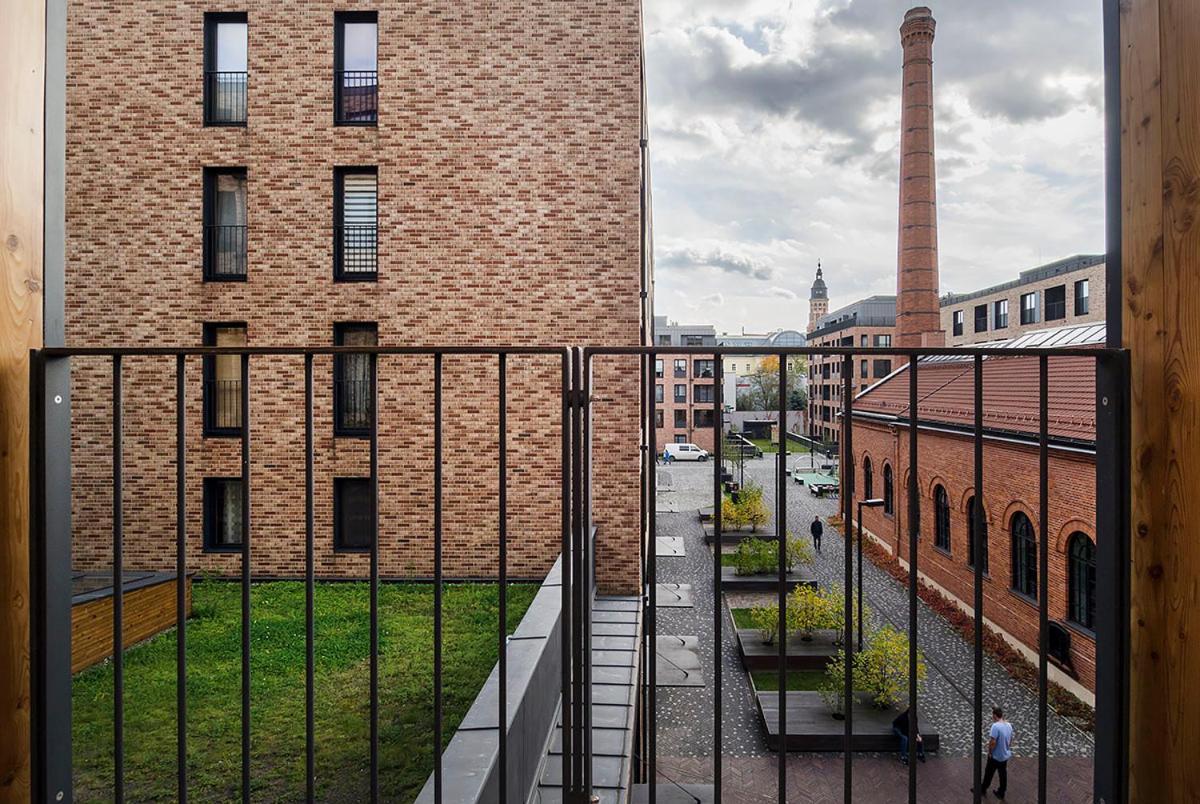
(918,321)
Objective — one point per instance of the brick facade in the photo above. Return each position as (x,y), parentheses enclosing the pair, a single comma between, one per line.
(825,376)
(689,419)
(508,160)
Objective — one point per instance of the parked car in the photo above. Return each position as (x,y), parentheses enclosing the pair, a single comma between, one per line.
(685,452)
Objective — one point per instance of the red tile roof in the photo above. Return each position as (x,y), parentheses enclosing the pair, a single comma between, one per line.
(946,394)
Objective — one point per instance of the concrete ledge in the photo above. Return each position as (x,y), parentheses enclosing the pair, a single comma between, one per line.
(471,762)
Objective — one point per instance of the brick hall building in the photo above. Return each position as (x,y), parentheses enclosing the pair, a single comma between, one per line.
(685,385)
(449,173)
(945,478)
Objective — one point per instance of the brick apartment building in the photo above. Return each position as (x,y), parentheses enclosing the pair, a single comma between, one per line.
(299,174)
(945,478)
(1061,293)
(685,385)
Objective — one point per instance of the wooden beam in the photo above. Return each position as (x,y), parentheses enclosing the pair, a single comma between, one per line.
(22,75)
(1160,184)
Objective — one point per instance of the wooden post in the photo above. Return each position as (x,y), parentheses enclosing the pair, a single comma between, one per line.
(22,75)
(1160,189)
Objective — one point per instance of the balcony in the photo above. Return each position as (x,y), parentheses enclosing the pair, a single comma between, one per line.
(225,253)
(356,252)
(356,97)
(225,98)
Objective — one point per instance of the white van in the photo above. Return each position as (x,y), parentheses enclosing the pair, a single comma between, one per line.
(685,452)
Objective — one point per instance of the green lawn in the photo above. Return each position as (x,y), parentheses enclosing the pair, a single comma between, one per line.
(770,445)
(768,680)
(741,618)
(277,691)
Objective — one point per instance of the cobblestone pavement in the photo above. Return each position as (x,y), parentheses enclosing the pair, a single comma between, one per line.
(685,715)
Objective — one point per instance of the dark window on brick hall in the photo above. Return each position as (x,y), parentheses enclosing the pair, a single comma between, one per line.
(680,417)
(681,393)
(703,417)
(681,367)
(223,381)
(658,417)
(959,316)
(1029,308)
(1056,303)
(222,513)
(889,491)
(224,224)
(941,518)
(225,69)
(702,393)
(882,368)
(705,369)
(353,514)
(1081,580)
(658,393)
(1024,556)
(352,403)
(981,318)
(868,480)
(658,368)
(1082,297)
(355,224)
(971,536)
(1000,314)
(356,68)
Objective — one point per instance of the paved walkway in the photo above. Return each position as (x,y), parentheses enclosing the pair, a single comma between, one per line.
(685,715)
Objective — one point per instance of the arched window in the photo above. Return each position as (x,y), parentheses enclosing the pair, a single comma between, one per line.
(1081,580)
(868,480)
(1024,556)
(941,518)
(971,536)
(889,497)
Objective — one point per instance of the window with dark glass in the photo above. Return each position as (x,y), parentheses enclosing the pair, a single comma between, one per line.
(225,224)
(1056,303)
(702,417)
(981,318)
(352,403)
(355,224)
(681,439)
(1082,297)
(664,340)
(941,518)
(1081,580)
(863,368)
(959,317)
(680,417)
(223,381)
(882,368)
(658,368)
(658,419)
(681,368)
(225,69)
(1000,314)
(222,513)
(883,341)
(693,340)
(868,480)
(889,492)
(971,536)
(1024,556)
(353,514)
(705,369)
(681,393)
(703,393)
(658,393)
(355,68)
(1029,308)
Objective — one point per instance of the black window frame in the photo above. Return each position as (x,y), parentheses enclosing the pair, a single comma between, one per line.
(981,318)
(881,367)
(883,341)
(704,394)
(700,366)
(658,419)
(941,519)
(658,368)
(1085,297)
(889,490)
(680,419)
(339,178)
(659,393)
(1000,314)
(678,397)
(340,19)
(1081,581)
(703,417)
(1056,308)
(1024,558)
(1029,315)
(209,225)
(340,429)
(958,320)
(339,537)
(211,20)
(209,505)
(868,479)
(679,368)
(209,378)
(971,536)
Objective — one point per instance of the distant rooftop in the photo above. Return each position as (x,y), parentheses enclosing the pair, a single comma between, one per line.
(873,311)
(1051,269)
(780,337)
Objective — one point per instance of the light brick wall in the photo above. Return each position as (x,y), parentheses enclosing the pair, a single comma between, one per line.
(508,159)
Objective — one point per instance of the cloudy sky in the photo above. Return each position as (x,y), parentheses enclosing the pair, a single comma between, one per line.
(774,137)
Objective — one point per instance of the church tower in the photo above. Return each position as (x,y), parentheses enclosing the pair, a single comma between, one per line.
(818,300)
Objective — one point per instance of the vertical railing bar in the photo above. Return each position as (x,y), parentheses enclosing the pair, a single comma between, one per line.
(118,634)
(978,552)
(847,491)
(565,567)
(718,545)
(587,562)
(310,775)
(781,535)
(914,533)
(180,584)
(245,405)
(502,572)
(437,577)
(1043,563)
(374,594)
(652,588)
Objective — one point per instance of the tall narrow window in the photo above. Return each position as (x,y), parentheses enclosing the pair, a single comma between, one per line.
(1082,298)
(703,417)
(225,69)
(971,536)
(355,224)
(981,318)
(353,514)
(223,381)
(883,341)
(658,368)
(703,394)
(658,418)
(1081,580)
(355,69)
(352,403)
(704,369)
(1029,308)
(1024,556)
(680,418)
(658,394)
(889,491)
(681,393)
(941,518)
(1056,303)
(959,316)
(681,368)
(868,480)
(225,224)
(1000,314)
(222,513)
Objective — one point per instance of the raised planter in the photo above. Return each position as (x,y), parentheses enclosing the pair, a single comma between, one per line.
(802,654)
(810,726)
(767,582)
(736,535)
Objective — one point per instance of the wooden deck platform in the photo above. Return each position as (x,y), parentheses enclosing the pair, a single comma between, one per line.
(801,655)
(737,535)
(810,727)
(148,608)
(732,582)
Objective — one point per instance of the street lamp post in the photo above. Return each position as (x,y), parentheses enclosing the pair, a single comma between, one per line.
(874,502)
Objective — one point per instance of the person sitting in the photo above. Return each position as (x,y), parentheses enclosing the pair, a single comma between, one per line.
(900,727)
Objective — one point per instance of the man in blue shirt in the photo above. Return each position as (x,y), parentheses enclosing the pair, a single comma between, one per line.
(999,752)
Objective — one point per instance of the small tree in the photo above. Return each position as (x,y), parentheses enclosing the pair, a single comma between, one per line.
(833,686)
(837,614)
(755,511)
(732,515)
(799,551)
(766,620)
(882,668)
(754,556)
(807,611)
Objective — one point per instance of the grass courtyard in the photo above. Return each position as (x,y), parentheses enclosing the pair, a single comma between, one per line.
(342,706)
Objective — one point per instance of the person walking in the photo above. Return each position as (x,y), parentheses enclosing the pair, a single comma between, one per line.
(900,727)
(817,530)
(999,753)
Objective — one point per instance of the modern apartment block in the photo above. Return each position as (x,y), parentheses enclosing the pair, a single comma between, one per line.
(1061,293)
(685,385)
(304,174)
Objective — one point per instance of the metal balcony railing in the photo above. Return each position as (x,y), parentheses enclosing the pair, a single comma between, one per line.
(225,252)
(225,98)
(356,252)
(222,406)
(356,97)
(352,407)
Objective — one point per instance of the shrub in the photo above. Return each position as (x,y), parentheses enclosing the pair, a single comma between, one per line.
(807,610)
(753,510)
(799,551)
(882,668)
(833,686)
(754,556)
(732,516)
(766,620)
(837,614)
